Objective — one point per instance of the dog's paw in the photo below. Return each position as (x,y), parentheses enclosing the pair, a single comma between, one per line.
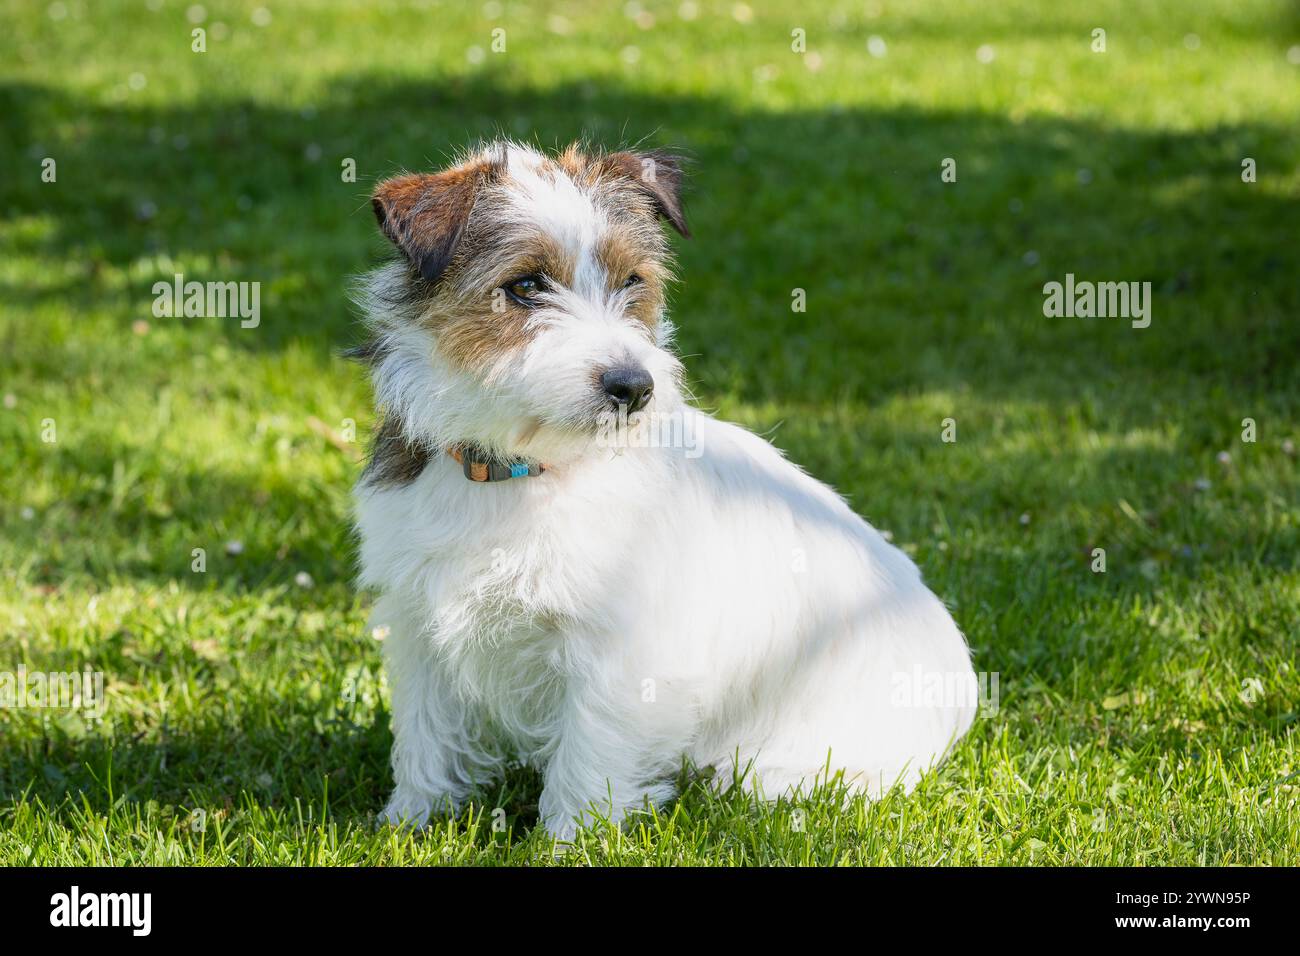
(561,831)
(560,822)
(409,811)
(401,819)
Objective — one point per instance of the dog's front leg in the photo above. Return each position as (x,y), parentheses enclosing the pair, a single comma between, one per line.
(437,757)
(603,768)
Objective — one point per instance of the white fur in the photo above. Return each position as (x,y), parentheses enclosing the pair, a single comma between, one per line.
(629,609)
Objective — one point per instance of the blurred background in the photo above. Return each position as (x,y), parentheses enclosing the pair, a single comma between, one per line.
(1159,696)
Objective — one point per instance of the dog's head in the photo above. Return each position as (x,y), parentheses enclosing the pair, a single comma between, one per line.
(527,303)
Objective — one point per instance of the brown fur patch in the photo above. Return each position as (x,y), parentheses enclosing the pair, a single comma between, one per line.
(524,254)
(393,460)
(471,332)
(424,214)
(476,340)
(623,252)
(573,161)
(657,174)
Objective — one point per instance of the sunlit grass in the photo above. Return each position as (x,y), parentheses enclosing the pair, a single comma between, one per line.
(1148,714)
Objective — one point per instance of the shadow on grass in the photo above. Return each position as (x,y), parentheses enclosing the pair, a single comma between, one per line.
(283,524)
(916,282)
(302,763)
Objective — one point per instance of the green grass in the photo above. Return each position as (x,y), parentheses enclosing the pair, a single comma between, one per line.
(1125,734)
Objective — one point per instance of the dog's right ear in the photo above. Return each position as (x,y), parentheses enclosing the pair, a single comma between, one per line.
(424,214)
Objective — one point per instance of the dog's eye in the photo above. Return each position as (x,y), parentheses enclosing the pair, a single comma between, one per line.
(525,289)
(632,280)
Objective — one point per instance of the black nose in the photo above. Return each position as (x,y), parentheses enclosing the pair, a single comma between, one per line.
(629,385)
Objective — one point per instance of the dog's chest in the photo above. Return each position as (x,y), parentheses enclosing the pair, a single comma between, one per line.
(528,556)
(513,583)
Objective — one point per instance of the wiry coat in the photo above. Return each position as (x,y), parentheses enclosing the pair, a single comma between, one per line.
(629,607)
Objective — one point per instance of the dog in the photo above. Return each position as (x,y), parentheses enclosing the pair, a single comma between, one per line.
(603,609)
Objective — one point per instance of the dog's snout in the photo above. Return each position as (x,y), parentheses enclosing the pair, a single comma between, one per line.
(629,385)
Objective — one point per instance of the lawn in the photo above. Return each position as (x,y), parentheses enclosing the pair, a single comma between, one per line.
(1148,713)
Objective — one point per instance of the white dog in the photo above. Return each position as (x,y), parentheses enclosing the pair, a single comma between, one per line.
(604,608)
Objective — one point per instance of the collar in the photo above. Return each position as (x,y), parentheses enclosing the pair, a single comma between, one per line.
(480,466)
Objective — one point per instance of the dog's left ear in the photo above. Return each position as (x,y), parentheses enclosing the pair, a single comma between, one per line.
(659,174)
(424,214)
